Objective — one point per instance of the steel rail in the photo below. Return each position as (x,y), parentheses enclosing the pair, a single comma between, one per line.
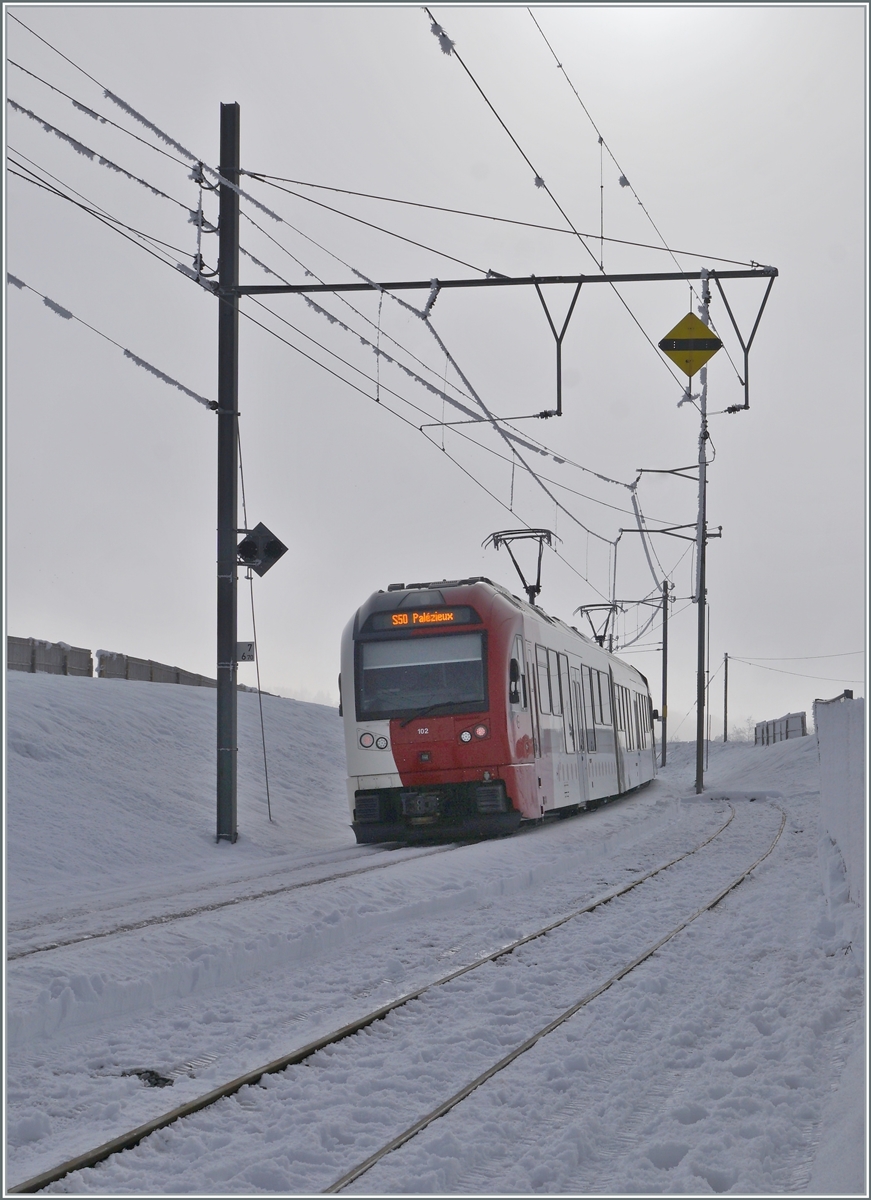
(127,1141)
(447,1105)
(193,912)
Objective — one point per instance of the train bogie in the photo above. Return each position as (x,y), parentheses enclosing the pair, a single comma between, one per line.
(468,711)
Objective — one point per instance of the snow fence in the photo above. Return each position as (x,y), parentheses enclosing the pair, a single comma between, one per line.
(840,726)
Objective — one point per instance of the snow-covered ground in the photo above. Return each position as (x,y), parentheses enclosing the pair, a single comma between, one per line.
(731,1061)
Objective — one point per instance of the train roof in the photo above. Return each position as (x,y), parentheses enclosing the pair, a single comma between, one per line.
(429,592)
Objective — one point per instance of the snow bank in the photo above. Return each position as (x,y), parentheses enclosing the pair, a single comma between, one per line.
(111,785)
(840,726)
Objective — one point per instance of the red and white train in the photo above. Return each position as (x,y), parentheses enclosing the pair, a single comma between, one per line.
(467,711)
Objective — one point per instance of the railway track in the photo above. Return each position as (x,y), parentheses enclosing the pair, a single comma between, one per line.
(301,1055)
(214,906)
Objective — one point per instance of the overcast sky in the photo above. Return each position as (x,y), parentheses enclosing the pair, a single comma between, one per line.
(739,134)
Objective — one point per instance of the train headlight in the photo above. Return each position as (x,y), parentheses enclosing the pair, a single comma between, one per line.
(367,740)
(381,743)
(481,731)
(465,736)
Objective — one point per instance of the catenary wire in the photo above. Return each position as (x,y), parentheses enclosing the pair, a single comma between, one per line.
(403,399)
(541,183)
(91,211)
(67,315)
(90,154)
(253,200)
(623,179)
(171,141)
(801,657)
(538,445)
(91,113)
(112,222)
(461,212)
(370,225)
(798,674)
(393,412)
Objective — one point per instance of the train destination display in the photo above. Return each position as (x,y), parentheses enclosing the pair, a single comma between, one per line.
(418,618)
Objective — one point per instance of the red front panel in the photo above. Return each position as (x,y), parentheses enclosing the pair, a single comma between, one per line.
(498,742)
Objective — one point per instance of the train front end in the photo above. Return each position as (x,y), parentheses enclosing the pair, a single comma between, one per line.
(433,750)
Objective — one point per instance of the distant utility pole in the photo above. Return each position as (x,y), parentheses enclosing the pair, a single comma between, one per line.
(664,711)
(702,536)
(701,591)
(228,468)
(726,697)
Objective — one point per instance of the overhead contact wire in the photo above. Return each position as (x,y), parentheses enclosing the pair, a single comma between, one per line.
(539,181)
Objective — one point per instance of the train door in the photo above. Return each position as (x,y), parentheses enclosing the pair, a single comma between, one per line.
(580,740)
(566,755)
(532,682)
(602,769)
(535,708)
(621,773)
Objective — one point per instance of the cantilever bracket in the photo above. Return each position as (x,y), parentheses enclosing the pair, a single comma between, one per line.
(558,337)
(745,347)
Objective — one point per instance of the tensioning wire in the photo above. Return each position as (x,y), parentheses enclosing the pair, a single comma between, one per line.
(264,177)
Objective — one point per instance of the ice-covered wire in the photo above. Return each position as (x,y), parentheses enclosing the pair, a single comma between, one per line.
(511,439)
(166,138)
(642,531)
(93,155)
(539,182)
(379,228)
(416,378)
(340,297)
(624,182)
(475,479)
(83,108)
(526,441)
(66,315)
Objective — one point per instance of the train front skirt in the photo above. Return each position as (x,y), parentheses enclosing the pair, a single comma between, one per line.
(445,811)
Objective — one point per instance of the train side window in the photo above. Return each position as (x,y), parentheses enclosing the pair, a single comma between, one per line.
(589,709)
(517,676)
(605,698)
(543,684)
(553,675)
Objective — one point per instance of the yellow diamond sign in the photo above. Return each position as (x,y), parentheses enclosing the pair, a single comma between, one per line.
(690,344)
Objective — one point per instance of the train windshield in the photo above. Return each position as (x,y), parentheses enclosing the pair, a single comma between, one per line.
(443,674)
